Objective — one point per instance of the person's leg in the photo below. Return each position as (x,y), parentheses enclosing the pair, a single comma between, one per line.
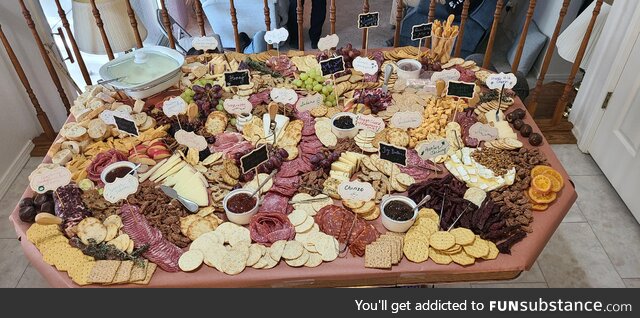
(318,16)
(292,23)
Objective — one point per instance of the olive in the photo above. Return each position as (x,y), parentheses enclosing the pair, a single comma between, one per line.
(526,130)
(517,124)
(40,199)
(535,139)
(510,117)
(27,214)
(519,113)
(26,202)
(47,207)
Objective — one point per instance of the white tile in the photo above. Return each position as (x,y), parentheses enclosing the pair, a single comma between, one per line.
(612,222)
(632,282)
(32,279)
(574,258)
(510,285)
(574,215)
(531,276)
(576,162)
(12,263)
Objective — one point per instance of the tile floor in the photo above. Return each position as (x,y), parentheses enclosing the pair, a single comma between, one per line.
(587,250)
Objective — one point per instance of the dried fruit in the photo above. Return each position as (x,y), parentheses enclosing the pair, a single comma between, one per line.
(538,170)
(557,182)
(541,183)
(541,198)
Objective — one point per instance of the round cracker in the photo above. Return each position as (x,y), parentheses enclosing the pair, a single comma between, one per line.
(300,260)
(352,204)
(315,259)
(442,240)
(92,230)
(203,242)
(462,258)
(233,262)
(271,263)
(186,221)
(327,248)
(255,253)
(317,205)
(306,225)
(463,235)
(416,251)
(276,249)
(213,255)
(113,219)
(292,250)
(239,236)
(190,260)
(297,217)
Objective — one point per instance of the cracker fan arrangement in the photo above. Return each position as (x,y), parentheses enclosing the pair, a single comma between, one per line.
(289,170)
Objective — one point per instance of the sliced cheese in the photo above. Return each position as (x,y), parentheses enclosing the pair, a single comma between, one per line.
(184,173)
(281,124)
(172,171)
(341,166)
(144,176)
(193,189)
(171,161)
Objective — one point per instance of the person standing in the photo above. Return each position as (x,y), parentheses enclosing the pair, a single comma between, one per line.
(318,16)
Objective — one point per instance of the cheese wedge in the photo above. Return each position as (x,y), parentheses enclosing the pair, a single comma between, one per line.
(172,161)
(193,189)
(184,173)
(172,171)
(144,176)
(281,124)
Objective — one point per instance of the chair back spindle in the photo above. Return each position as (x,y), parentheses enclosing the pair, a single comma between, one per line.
(300,17)
(399,16)
(523,36)
(562,102)
(100,25)
(134,24)
(74,44)
(167,23)
(463,20)
(432,11)
(532,104)
(45,56)
(492,36)
(267,19)
(234,23)
(365,31)
(200,18)
(40,114)
(332,16)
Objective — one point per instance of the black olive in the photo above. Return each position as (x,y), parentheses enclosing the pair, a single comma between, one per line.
(535,139)
(517,124)
(510,117)
(40,199)
(526,130)
(519,113)
(47,207)
(27,214)
(26,202)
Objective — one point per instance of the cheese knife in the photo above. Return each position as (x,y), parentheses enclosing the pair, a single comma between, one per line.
(190,205)
(387,74)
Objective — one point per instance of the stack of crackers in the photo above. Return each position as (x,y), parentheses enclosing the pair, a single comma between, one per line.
(368,210)
(384,252)
(109,272)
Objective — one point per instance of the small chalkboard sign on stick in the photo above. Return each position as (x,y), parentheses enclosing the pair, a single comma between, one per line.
(126,125)
(421,31)
(332,66)
(461,89)
(254,159)
(368,20)
(394,154)
(238,78)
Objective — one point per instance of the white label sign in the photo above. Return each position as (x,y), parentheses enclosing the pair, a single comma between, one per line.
(276,36)
(204,43)
(237,106)
(107,116)
(495,81)
(369,122)
(174,106)
(483,132)
(45,179)
(308,103)
(120,188)
(446,75)
(365,65)
(191,139)
(406,120)
(284,95)
(356,190)
(328,42)
(433,149)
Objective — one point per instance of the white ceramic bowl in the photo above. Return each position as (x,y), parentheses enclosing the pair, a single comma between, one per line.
(391,224)
(103,174)
(416,65)
(239,218)
(344,133)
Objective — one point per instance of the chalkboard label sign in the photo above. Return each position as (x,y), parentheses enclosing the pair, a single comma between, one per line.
(254,159)
(461,89)
(126,125)
(368,20)
(421,31)
(332,66)
(394,154)
(237,78)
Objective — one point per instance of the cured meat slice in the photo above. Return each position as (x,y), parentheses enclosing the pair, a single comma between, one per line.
(286,186)
(338,222)
(274,203)
(368,235)
(268,228)
(101,161)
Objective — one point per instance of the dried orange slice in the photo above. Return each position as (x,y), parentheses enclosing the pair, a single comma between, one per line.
(539,207)
(541,183)
(541,198)
(557,182)
(538,170)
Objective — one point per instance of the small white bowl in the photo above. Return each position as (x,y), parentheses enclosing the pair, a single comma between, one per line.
(109,168)
(344,133)
(402,74)
(391,224)
(240,218)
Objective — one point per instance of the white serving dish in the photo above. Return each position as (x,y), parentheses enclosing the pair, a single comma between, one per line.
(391,224)
(144,72)
(402,74)
(240,218)
(344,133)
(109,168)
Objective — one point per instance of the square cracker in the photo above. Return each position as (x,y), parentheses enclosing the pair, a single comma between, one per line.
(103,272)
(124,272)
(378,255)
(396,247)
(151,267)
(138,272)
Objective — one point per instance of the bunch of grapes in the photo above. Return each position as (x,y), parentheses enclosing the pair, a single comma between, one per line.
(208,98)
(428,65)
(313,81)
(349,54)
(276,157)
(374,99)
(323,160)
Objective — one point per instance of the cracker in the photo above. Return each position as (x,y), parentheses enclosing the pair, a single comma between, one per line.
(321,202)
(439,257)
(415,250)
(298,261)
(463,236)
(327,246)
(305,226)
(493,251)
(442,240)
(378,255)
(81,273)
(462,258)
(190,260)
(315,259)
(213,255)
(368,207)
(138,272)
(186,221)
(428,225)
(297,217)
(91,228)
(396,247)
(240,236)
(430,214)
(123,274)
(276,249)
(372,215)
(233,262)
(255,253)
(151,268)
(198,227)
(103,272)
(293,250)
(478,249)
(353,204)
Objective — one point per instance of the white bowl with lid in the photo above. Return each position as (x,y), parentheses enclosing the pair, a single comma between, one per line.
(144,72)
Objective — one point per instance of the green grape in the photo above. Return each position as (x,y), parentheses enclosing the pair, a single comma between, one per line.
(319,78)
(331,97)
(330,88)
(325,90)
(308,81)
(317,88)
(309,87)
(220,107)
(232,121)
(328,103)
(304,76)
(311,72)
(333,103)
(297,82)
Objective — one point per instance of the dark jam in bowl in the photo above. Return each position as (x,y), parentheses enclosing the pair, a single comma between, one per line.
(344,122)
(407,67)
(117,173)
(241,203)
(398,210)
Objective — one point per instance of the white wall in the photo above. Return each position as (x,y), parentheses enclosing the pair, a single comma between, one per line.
(18,123)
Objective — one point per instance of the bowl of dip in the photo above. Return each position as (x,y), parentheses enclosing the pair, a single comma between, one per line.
(240,206)
(343,125)
(409,69)
(397,213)
(117,170)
